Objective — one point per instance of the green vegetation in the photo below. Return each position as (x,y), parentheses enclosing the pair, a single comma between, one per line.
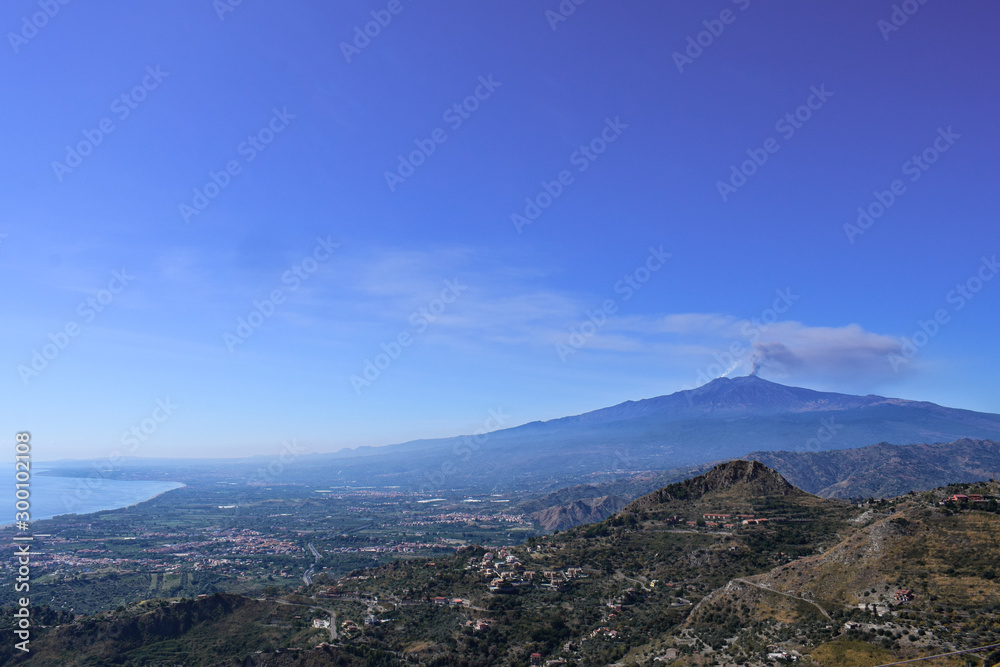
(224,536)
(826,582)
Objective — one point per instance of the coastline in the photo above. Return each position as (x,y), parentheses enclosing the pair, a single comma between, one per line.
(125,507)
(50,515)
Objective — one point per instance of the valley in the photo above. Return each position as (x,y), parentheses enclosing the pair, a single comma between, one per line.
(723,568)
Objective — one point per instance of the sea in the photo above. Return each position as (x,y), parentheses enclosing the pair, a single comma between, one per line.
(51,496)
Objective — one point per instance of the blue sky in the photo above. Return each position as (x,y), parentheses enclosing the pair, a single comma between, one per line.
(216,159)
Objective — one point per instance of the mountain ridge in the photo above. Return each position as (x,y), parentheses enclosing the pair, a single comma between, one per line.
(883,469)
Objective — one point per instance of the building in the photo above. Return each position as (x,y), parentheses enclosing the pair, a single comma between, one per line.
(751,522)
(780,655)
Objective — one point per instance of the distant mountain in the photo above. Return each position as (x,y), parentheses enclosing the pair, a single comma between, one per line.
(724,419)
(724,397)
(885,470)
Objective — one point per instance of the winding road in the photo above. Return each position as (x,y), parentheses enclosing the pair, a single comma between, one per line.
(771,590)
(307,577)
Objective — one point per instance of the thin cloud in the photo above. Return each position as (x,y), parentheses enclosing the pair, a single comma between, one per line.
(377,291)
(793,348)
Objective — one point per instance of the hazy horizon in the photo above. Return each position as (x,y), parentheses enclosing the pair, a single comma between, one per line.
(301,451)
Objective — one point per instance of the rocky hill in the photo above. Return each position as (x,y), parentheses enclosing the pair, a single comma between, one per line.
(914,578)
(741,480)
(579,512)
